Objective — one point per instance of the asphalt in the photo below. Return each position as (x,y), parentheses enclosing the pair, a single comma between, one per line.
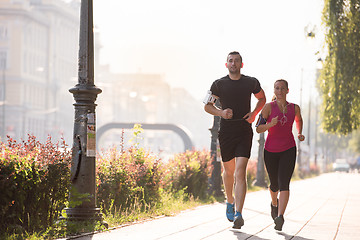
(324,207)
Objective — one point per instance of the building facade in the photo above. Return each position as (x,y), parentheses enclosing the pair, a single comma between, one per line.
(148,98)
(38,58)
(39,44)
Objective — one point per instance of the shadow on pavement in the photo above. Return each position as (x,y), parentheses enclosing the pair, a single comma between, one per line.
(287,236)
(241,235)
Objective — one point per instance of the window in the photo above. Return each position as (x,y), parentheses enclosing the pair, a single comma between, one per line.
(3,33)
(3,59)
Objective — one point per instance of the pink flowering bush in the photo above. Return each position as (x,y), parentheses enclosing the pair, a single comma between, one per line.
(189,171)
(128,177)
(251,172)
(34,181)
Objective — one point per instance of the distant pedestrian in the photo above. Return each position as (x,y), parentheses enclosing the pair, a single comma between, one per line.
(277,117)
(235,135)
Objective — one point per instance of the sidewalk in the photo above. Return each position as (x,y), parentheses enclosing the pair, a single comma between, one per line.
(325,207)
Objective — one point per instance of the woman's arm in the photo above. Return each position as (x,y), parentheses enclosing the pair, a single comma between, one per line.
(299,123)
(265,113)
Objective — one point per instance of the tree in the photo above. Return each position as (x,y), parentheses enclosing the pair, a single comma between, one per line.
(339,82)
(354,142)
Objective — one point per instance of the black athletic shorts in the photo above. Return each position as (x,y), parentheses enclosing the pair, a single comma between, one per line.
(280,167)
(235,139)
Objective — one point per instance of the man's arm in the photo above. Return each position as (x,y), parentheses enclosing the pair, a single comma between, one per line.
(250,117)
(212,109)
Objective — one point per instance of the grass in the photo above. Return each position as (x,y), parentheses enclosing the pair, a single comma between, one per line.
(171,204)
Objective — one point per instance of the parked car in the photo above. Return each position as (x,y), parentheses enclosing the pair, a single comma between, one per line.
(341,165)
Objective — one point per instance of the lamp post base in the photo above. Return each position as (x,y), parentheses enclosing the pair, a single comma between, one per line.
(260,183)
(83,214)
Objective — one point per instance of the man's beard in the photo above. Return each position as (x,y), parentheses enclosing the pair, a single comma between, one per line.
(234,71)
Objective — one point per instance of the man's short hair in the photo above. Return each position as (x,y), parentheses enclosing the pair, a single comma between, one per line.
(234,53)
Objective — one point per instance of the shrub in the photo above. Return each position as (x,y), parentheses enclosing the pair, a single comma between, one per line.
(126,178)
(314,169)
(189,171)
(251,172)
(34,180)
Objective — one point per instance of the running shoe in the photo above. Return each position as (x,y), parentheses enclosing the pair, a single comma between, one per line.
(279,222)
(230,212)
(239,221)
(274,210)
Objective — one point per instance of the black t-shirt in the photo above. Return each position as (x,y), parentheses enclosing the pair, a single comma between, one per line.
(236,94)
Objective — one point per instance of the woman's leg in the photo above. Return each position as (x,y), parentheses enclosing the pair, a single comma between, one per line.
(283,201)
(274,197)
(272,165)
(286,169)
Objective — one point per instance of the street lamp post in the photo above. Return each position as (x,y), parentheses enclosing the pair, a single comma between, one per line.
(260,170)
(82,192)
(3,67)
(215,179)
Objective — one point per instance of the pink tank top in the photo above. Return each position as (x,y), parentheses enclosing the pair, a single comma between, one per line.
(280,136)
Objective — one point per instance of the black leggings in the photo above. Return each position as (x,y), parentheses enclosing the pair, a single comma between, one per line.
(280,167)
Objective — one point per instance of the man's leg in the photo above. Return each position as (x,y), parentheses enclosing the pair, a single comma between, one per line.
(240,190)
(240,182)
(228,179)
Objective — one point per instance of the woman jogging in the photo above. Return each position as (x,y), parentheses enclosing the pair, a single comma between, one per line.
(277,117)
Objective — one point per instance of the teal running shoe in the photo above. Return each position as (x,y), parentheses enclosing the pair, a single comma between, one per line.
(230,212)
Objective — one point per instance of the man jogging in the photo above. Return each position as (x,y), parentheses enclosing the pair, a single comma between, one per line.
(235,134)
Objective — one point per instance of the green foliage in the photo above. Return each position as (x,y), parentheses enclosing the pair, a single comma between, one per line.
(127,178)
(137,130)
(78,198)
(131,184)
(189,171)
(340,78)
(34,180)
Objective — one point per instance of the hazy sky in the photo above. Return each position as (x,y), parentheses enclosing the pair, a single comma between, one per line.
(187,41)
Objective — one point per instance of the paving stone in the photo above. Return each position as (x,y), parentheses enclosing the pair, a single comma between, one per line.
(324,207)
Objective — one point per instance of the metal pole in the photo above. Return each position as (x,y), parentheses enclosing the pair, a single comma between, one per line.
(309,131)
(260,170)
(299,158)
(82,192)
(316,132)
(3,133)
(215,180)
